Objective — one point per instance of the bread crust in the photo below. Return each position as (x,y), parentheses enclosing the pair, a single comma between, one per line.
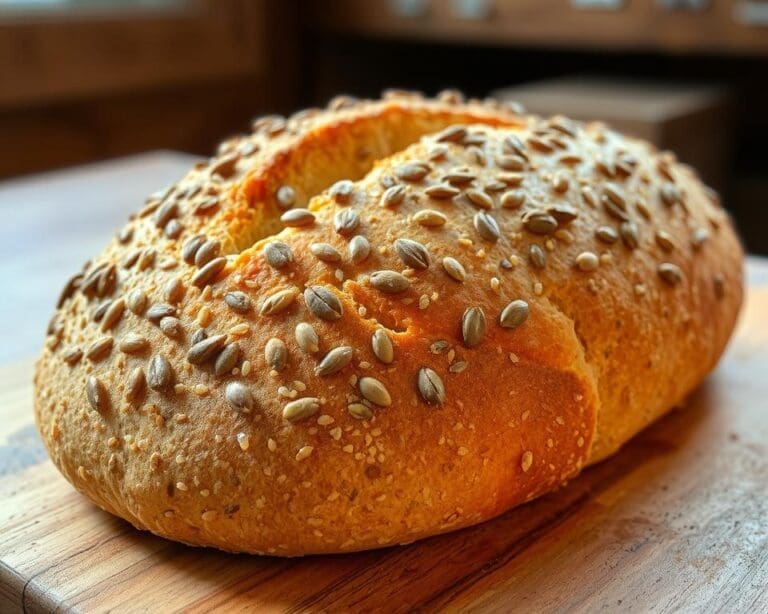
(205,443)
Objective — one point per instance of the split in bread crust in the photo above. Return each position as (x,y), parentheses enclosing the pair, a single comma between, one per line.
(388,319)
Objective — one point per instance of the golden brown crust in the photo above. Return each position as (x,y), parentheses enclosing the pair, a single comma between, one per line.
(511,366)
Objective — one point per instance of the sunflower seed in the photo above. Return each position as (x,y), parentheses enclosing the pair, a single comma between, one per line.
(202,351)
(359,249)
(69,289)
(513,180)
(514,314)
(99,349)
(513,199)
(513,144)
(278,254)
(106,281)
(452,134)
(239,397)
(335,360)
(442,191)
(412,171)
(561,124)
(480,199)
(325,252)
(166,212)
(170,326)
(393,195)
(454,268)
(174,290)
(342,191)
(323,303)
(459,176)
(389,282)
(97,394)
(563,213)
(159,311)
(159,373)
(670,273)
(190,248)
(359,411)
(306,337)
(125,234)
(346,221)
(459,366)
(374,391)
(207,252)
(629,234)
(133,343)
(113,314)
(615,195)
(486,226)
(614,211)
(227,360)
(536,256)
(439,346)
(173,229)
(238,301)
(587,262)
(495,186)
(473,326)
(278,301)
(146,259)
(285,196)
(539,222)
(511,162)
(607,234)
(431,386)
(429,218)
(98,314)
(91,280)
(296,218)
(382,346)
(477,155)
(412,253)
(206,206)
(539,144)
(136,385)
(72,356)
(664,241)
(300,409)
(225,166)
(209,272)
(198,336)
(276,354)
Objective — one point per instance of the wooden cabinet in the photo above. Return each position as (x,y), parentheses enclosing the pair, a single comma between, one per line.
(79,85)
(681,26)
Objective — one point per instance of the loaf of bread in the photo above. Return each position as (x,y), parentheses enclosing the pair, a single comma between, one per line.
(384,320)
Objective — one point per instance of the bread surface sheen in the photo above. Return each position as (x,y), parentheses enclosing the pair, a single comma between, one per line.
(384,320)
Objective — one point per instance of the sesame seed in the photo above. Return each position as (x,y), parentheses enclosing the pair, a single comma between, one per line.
(526,460)
(587,261)
(304,452)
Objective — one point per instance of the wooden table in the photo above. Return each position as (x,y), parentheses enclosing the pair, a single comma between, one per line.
(678,520)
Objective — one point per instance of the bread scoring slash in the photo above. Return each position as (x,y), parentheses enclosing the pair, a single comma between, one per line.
(383,320)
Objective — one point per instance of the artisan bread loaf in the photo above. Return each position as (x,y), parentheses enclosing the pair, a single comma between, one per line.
(368,324)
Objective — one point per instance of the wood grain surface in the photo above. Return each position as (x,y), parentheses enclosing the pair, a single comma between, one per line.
(676,521)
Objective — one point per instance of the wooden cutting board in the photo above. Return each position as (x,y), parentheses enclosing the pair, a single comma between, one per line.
(678,520)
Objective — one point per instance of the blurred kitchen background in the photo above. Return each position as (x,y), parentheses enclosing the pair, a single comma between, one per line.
(86,80)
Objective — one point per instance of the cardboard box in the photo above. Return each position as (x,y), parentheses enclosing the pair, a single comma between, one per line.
(691,120)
